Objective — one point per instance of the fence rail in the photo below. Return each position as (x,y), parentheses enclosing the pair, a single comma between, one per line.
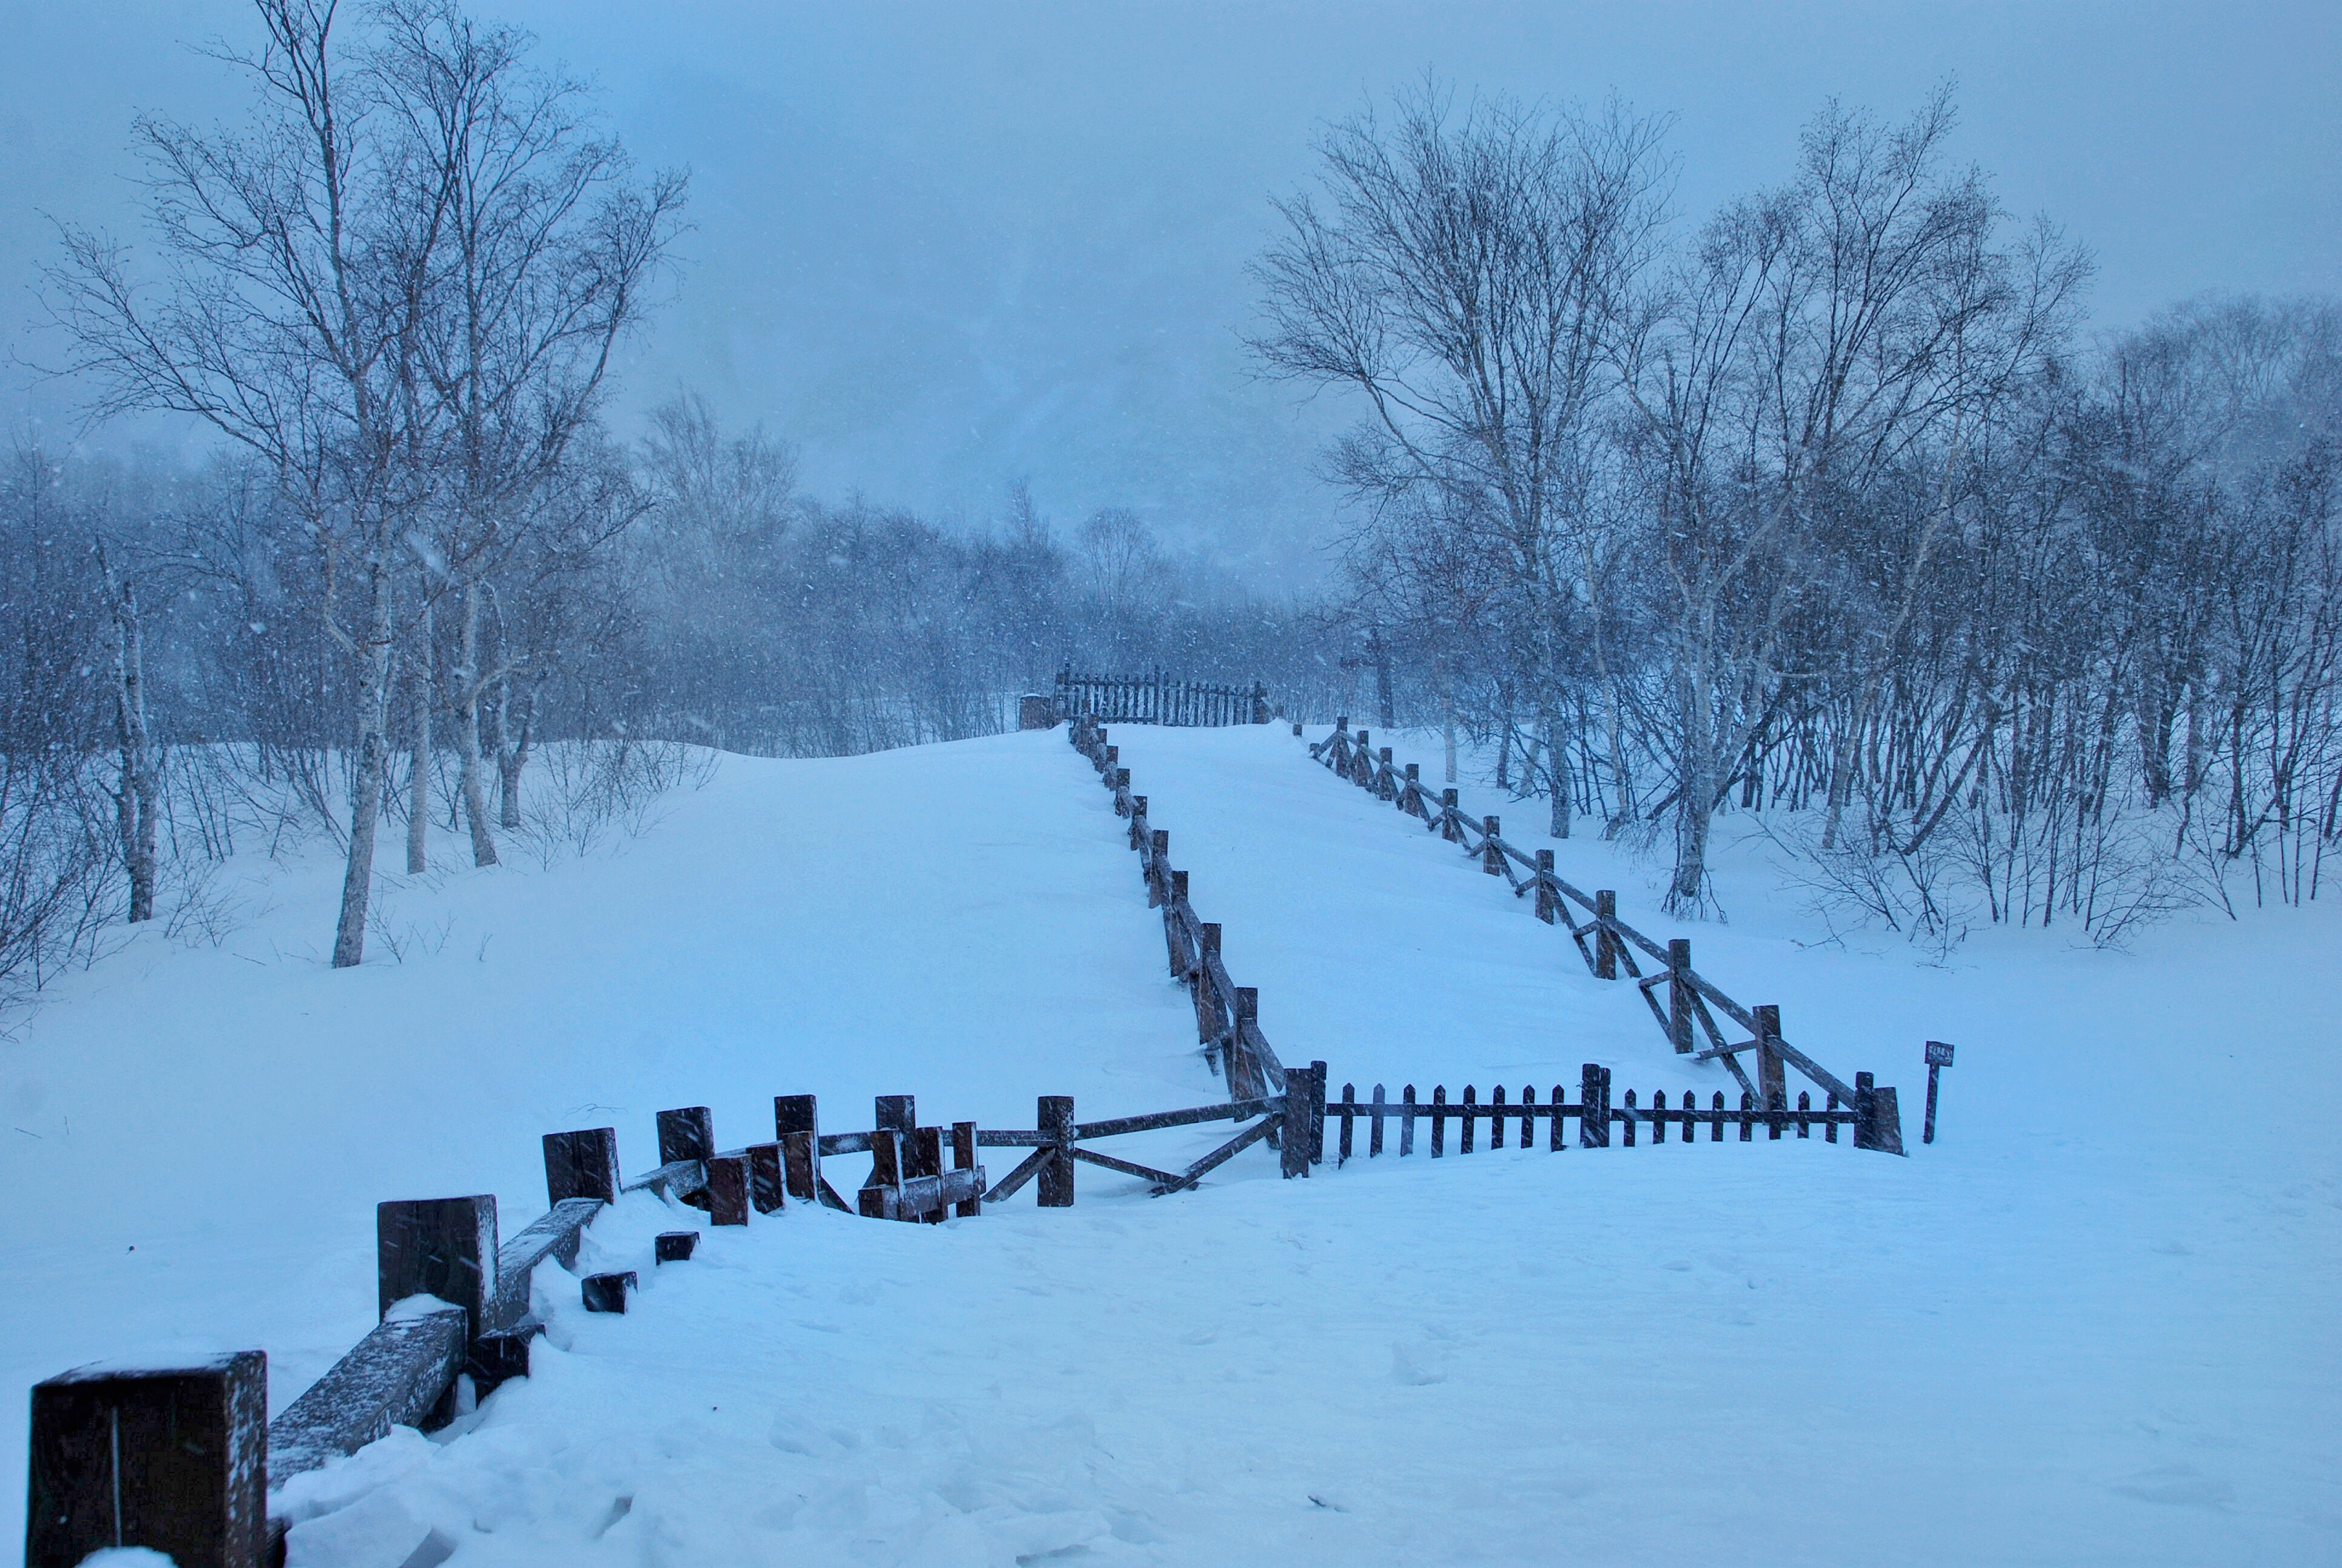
(1604,940)
(1158,699)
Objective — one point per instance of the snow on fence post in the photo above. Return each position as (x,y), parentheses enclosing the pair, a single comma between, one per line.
(1771,1074)
(797,1123)
(173,1459)
(444,1247)
(1054,1115)
(1606,940)
(1679,993)
(1877,1119)
(582,1165)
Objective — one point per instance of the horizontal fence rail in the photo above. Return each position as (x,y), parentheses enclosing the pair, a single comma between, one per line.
(1606,943)
(1158,699)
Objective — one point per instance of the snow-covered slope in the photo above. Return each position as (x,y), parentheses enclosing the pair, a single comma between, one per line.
(2092,1323)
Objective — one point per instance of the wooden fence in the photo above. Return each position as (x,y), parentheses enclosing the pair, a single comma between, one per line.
(1607,942)
(1158,699)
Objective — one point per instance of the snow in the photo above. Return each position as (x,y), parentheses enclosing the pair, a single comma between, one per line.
(2092,1323)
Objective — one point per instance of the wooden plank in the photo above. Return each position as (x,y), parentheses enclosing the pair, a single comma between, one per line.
(1229,1150)
(767,1187)
(1164,1180)
(1234,1111)
(174,1458)
(728,1200)
(395,1376)
(1471,1096)
(555,1235)
(1556,1145)
(1594,1106)
(1375,1127)
(1025,1172)
(1439,1121)
(1406,1123)
(801,1164)
(683,1179)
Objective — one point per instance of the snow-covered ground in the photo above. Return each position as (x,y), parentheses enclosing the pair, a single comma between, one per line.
(2093,1322)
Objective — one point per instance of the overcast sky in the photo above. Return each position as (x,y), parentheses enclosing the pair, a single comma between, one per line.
(942,247)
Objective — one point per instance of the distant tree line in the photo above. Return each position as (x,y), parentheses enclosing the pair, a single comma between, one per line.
(420,557)
(1824,511)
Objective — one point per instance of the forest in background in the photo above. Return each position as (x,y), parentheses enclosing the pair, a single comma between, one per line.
(1825,510)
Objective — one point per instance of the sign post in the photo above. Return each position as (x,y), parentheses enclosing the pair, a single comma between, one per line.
(1939,1057)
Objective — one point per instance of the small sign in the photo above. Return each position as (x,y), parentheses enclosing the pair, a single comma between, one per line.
(1938,1053)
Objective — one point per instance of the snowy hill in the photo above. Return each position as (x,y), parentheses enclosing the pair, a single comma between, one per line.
(2092,1323)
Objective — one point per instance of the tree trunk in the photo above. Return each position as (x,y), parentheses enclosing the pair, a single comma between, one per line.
(1447,726)
(134,801)
(1696,797)
(374,755)
(1557,773)
(467,730)
(418,756)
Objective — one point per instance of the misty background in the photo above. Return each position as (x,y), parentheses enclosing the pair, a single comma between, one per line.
(942,248)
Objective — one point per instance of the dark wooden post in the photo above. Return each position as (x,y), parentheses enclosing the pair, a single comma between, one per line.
(1359,770)
(1159,851)
(1259,702)
(444,1247)
(1448,828)
(1241,1072)
(728,1194)
(1316,1113)
(172,1459)
(923,1155)
(1547,900)
(583,1164)
(1592,1106)
(886,1172)
(963,1138)
(1208,1024)
(1138,821)
(1034,713)
(1772,1077)
(1055,1117)
(797,1123)
(674,1246)
(894,1113)
(1492,858)
(1877,1119)
(1679,993)
(607,1292)
(1293,1148)
(1410,797)
(1385,787)
(688,1133)
(767,1187)
(1174,935)
(1605,942)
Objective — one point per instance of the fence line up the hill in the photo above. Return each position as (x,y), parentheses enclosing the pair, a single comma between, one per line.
(1603,940)
(182,1459)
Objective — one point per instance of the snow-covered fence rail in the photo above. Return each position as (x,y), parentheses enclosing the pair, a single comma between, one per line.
(1158,699)
(1607,942)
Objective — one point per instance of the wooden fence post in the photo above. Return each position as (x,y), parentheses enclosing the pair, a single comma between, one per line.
(1174,937)
(1877,1119)
(1384,789)
(963,1138)
(1772,1077)
(1054,1116)
(729,1189)
(797,1123)
(1240,1070)
(886,1172)
(1158,851)
(1679,1024)
(767,1189)
(1592,1106)
(444,1247)
(1448,827)
(582,1165)
(924,1156)
(1316,1113)
(1547,900)
(1492,857)
(174,1459)
(1209,1025)
(1606,941)
(1293,1149)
